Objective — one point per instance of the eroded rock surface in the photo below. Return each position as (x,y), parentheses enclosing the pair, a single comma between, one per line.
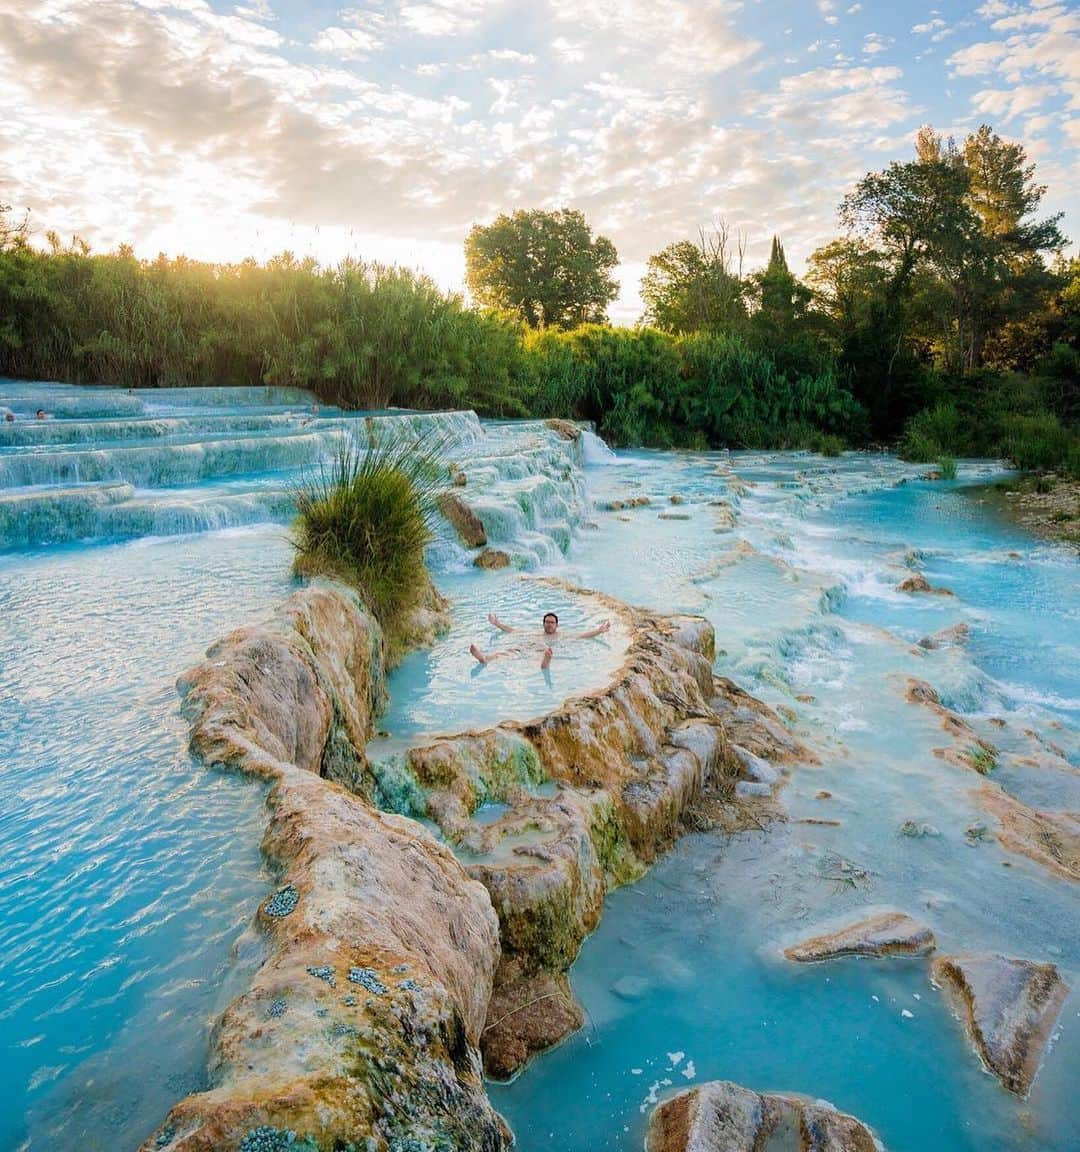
(883,934)
(469,526)
(1009,1007)
(1051,839)
(593,792)
(952,637)
(919,583)
(724,1117)
(364,1022)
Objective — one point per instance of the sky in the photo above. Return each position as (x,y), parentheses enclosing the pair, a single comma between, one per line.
(386,130)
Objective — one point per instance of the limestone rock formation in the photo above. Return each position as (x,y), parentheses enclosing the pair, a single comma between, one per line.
(492,558)
(1051,839)
(919,583)
(565,429)
(592,792)
(295,689)
(469,526)
(883,934)
(724,1117)
(952,637)
(1009,1007)
(364,1021)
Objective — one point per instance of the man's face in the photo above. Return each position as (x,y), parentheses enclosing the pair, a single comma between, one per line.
(551,623)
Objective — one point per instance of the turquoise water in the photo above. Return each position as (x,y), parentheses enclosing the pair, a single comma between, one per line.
(687,961)
(127,873)
(145,525)
(137,528)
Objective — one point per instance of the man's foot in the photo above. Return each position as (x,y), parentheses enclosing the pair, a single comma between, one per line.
(478,654)
(547,658)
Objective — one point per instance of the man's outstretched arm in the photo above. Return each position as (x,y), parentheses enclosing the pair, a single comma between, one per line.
(493,619)
(598,631)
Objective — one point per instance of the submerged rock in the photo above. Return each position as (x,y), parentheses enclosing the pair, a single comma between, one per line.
(469,526)
(492,558)
(1009,1007)
(883,934)
(919,583)
(724,1117)
(952,637)
(1051,839)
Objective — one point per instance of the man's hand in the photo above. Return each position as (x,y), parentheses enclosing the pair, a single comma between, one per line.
(497,623)
(604,627)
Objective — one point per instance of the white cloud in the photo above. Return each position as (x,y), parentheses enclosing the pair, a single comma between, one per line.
(346,43)
(874,42)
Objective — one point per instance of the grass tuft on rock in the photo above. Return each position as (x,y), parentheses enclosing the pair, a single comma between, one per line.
(365,517)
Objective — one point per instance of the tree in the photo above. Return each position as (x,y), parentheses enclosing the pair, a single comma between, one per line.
(692,287)
(545,266)
(12,232)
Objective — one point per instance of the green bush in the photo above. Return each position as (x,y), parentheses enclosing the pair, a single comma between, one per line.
(365,519)
(1038,443)
(933,433)
(947,467)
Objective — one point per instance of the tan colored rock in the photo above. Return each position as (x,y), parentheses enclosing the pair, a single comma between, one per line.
(307,679)
(492,558)
(953,637)
(675,499)
(565,429)
(1009,1007)
(724,1117)
(919,583)
(883,934)
(463,519)
(1051,839)
(427,620)
(365,1019)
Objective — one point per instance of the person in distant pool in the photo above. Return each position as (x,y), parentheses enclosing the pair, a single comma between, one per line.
(9,417)
(546,641)
(41,414)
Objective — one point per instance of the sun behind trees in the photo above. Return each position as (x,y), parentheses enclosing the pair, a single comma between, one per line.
(944,318)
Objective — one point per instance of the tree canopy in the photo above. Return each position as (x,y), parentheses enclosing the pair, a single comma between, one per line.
(544,266)
(693,286)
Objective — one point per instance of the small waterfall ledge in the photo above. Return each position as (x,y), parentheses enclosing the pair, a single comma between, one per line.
(394,963)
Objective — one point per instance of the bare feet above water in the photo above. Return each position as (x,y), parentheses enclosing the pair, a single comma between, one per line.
(547,658)
(474,649)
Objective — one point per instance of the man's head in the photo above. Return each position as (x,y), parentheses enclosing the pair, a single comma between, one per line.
(551,624)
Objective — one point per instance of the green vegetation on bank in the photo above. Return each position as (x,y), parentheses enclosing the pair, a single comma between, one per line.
(944,320)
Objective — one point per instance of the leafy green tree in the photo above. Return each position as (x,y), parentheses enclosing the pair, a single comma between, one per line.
(544,266)
(12,232)
(692,287)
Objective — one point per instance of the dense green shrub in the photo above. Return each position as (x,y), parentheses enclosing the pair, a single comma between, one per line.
(1040,442)
(933,433)
(365,519)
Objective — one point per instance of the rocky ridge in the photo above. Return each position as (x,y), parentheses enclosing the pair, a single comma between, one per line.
(390,964)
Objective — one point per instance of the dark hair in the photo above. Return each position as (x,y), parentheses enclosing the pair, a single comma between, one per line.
(552,615)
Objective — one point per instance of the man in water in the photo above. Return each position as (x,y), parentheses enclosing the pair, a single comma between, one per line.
(546,640)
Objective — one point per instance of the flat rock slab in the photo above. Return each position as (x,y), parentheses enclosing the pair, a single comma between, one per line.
(1009,1007)
(884,934)
(724,1117)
